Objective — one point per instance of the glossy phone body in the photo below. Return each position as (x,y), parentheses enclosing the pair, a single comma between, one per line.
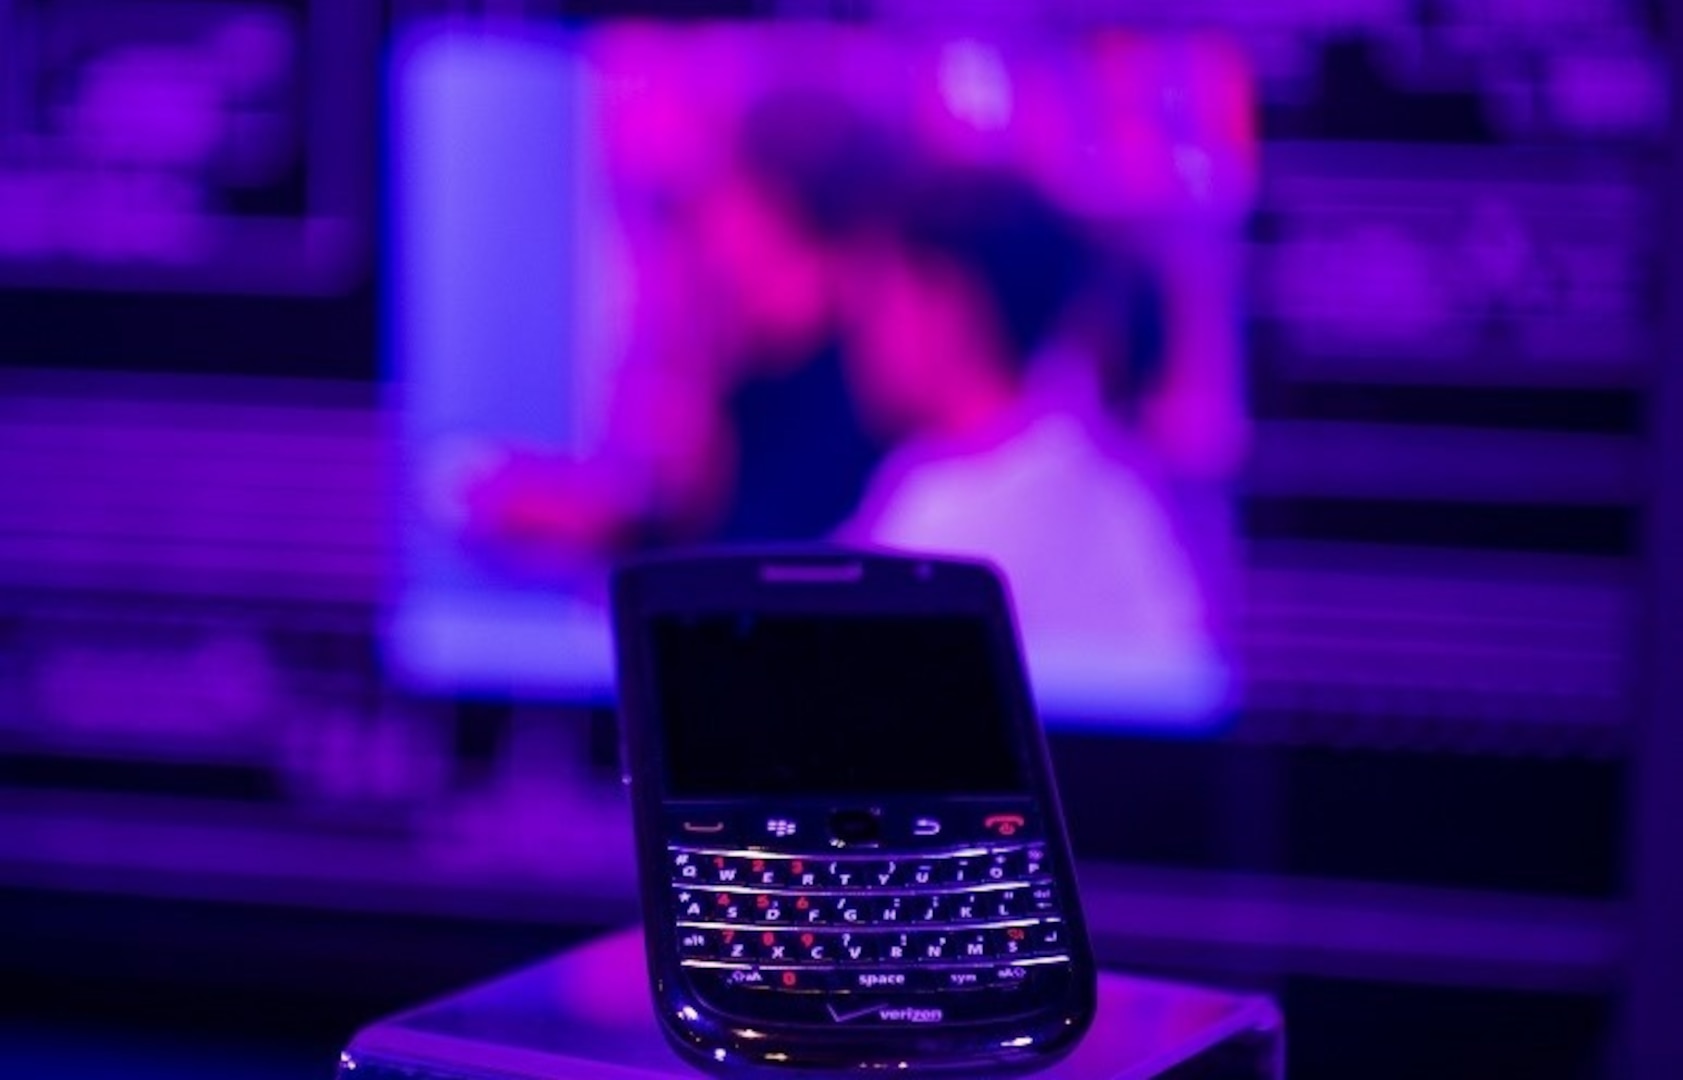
(850,846)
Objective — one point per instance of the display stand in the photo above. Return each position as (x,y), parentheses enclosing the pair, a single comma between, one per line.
(586,1014)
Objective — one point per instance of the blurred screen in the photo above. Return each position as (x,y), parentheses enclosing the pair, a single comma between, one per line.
(659,284)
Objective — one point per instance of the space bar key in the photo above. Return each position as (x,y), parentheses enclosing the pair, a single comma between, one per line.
(913,979)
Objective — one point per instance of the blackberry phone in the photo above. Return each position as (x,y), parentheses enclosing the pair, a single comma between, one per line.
(850,846)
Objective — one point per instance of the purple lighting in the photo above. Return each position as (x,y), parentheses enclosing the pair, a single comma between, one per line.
(344,345)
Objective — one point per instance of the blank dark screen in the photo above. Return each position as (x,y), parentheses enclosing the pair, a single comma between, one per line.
(771,704)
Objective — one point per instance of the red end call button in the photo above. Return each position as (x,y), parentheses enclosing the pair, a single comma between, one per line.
(1004,825)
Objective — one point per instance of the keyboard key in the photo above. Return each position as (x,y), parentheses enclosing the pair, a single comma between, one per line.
(894,947)
(1010,942)
(725,870)
(891,910)
(846,910)
(878,979)
(726,907)
(700,944)
(924,873)
(972,945)
(767,873)
(1043,899)
(842,874)
(966,907)
(961,870)
(934,946)
(855,948)
(747,978)
(964,978)
(1048,937)
(775,948)
(816,947)
(883,874)
(791,980)
(929,909)
(1006,904)
(686,867)
(771,908)
(1008,975)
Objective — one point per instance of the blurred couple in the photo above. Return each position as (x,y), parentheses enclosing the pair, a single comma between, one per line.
(849,342)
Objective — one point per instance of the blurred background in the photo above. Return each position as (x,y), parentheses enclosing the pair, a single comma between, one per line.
(1302,366)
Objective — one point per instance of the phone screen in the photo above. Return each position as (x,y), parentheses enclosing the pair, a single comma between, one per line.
(755,704)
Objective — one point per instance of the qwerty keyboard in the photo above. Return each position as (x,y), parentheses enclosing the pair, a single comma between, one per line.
(970,918)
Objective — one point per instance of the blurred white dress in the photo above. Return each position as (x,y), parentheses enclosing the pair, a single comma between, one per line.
(1113,612)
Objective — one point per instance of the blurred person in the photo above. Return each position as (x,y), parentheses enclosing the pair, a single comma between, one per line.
(736,425)
(962,350)
(811,171)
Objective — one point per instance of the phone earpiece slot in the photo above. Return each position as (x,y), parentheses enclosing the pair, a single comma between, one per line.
(848,573)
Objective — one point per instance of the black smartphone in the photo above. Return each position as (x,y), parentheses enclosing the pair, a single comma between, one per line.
(849,840)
